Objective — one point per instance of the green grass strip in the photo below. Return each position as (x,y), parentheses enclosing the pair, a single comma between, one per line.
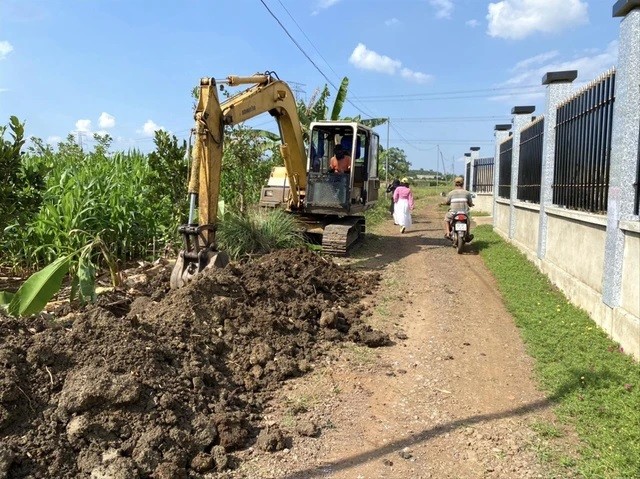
(594,386)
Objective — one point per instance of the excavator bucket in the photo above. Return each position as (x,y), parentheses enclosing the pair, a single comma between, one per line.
(185,269)
(195,258)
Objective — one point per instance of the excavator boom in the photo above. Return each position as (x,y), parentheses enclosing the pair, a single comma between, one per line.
(267,94)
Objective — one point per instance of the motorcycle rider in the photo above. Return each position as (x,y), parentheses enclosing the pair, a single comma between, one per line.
(458,199)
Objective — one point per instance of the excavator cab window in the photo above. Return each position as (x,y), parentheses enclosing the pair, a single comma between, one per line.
(354,190)
(326,188)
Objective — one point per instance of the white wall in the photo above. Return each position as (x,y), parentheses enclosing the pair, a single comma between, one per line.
(574,260)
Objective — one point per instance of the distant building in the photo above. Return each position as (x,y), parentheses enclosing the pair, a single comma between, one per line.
(425,177)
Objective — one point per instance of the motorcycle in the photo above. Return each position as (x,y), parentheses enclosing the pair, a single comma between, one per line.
(460,230)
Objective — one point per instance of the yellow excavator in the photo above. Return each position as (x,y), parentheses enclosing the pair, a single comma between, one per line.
(328,204)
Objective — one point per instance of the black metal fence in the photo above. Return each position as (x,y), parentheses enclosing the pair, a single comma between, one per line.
(483,175)
(504,172)
(530,168)
(583,148)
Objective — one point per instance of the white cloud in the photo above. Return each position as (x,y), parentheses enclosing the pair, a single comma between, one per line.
(416,77)
(366,59)
(517,19)
(323,5)
(149,128)
(54,140)
(5,49)
(530,71)
(536,60)
(83,126)
(444,8)
(473,23)
(106,121)
(391,22)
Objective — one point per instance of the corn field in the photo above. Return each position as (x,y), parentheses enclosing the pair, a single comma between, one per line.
(133,201)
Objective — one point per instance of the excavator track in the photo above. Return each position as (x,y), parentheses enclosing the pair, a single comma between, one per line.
(339,237)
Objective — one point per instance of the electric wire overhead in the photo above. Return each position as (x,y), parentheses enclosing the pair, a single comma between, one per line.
(308,57)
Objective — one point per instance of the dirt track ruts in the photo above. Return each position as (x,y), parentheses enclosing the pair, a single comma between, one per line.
(454,397)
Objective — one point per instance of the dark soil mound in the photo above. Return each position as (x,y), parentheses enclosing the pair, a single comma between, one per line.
(169,384)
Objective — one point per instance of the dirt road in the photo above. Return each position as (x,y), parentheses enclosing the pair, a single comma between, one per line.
(454,397)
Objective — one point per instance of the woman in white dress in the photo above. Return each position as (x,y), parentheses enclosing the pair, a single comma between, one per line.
(403,205)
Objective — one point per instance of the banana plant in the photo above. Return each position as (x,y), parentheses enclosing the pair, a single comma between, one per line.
(34,294)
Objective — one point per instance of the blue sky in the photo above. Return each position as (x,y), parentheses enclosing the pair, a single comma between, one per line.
(444,71)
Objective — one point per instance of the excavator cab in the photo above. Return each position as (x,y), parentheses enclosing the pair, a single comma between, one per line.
(347,192)
(333,202)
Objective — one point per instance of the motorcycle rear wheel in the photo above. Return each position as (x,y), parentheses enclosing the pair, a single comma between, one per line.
(460,244)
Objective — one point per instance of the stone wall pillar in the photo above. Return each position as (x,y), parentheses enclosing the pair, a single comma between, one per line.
(467,161)
(474,156)
(624,147)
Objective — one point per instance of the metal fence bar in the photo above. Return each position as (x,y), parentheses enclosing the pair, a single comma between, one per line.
(483,175)
(530,171)
(583,147)
(504,178)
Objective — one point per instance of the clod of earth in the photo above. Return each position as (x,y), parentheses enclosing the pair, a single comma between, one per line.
(171,384)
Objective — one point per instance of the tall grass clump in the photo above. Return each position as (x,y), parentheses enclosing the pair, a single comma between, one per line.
(258,232)
(595,386)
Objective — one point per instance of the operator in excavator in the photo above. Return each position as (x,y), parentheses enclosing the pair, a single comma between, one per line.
(340,161)
(340,165)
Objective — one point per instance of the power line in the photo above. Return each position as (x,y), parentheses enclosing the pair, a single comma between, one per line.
(307,56)
(451,119)
(443,142)
(308,39)
(407,141)
(381,100)
(454,92)
(318,51)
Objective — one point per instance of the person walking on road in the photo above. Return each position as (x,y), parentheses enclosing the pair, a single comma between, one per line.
(403,205)
(391,189)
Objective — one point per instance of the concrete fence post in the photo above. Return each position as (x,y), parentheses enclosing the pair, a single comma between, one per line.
(521,116)
(474,156)
(501,133)
(558,89)
(624,147)
(467,161)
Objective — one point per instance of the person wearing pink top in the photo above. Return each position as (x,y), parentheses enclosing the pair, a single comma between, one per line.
(403,205)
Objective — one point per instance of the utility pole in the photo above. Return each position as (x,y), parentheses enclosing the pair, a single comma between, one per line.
(437,162)
(386,157)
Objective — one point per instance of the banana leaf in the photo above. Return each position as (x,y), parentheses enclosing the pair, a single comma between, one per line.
(86,280)
(5,299)
(39,288)
(341,97)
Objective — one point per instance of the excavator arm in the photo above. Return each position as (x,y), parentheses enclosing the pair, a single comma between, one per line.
(267,94)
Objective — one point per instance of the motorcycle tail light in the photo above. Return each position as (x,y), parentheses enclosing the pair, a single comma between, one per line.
(461,218)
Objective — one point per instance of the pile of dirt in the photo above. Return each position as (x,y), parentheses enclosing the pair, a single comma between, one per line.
(167,384)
